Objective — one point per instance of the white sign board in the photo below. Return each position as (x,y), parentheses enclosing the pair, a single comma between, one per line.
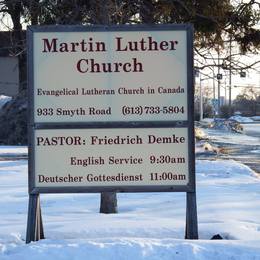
(9,76)
(109,109)
(111,157)
(110,76)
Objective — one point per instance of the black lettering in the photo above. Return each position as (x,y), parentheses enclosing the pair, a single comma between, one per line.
(50,47)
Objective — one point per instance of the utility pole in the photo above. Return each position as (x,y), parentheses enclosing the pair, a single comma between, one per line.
(214,94)
(230,76)
(225,101)
(218,85)
(201,101)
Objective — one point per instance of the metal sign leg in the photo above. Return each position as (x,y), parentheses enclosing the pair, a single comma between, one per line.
(34,221)
(191,231)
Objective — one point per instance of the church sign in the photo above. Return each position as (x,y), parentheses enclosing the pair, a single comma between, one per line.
(111,109)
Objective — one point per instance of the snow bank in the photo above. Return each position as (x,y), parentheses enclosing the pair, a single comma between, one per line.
(219,167)
(15,150)
(241,119)
(3,100)
(255,118)
(208,120)
(132,249)
(199,134)
(227,125)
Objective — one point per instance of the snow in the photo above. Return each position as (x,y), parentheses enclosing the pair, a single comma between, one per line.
(199,133)
(145,249)
(241,119)
(148,226)
(15,150)
(256,118)
(3,100)
(208,120)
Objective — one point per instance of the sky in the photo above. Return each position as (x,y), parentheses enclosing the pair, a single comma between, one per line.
(238,83)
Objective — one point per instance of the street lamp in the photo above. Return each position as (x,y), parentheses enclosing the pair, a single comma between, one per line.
(199,74)
(242,74)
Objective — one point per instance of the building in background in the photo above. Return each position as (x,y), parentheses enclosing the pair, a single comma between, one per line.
(9,67)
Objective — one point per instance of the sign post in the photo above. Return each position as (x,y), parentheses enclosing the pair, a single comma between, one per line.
(111,111)
(35,226)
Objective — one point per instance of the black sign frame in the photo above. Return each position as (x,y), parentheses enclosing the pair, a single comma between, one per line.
(190,187)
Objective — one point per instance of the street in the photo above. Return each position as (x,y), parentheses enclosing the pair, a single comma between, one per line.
(244,148)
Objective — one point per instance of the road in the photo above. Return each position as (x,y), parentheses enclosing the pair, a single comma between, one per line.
(252,129)
(244,148)
(250,155)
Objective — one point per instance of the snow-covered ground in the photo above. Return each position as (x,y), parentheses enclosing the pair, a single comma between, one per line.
(14,150)
(241,119)
(148,226)
(256,118)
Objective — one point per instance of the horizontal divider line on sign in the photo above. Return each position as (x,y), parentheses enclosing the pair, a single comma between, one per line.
(134,124)
(121,189)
